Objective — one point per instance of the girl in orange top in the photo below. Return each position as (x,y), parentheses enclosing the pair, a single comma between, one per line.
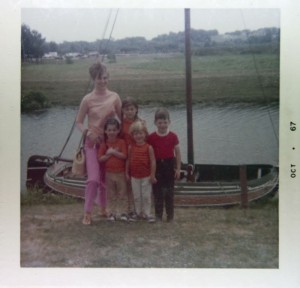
(140,169)
(129,116)
(113,153)
(129,112)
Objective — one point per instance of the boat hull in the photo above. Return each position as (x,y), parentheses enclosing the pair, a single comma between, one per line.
(58,177)
(222,197)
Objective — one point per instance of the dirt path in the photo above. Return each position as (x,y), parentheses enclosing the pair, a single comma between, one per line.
(53,236)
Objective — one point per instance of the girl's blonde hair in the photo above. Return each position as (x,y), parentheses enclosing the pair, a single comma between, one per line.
(138,126)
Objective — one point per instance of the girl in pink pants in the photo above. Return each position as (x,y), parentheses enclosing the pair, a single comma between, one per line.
(97,106)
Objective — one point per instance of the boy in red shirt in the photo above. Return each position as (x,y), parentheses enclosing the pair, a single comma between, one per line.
(168,163)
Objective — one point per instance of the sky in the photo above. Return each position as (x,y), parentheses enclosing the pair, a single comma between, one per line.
(86,24)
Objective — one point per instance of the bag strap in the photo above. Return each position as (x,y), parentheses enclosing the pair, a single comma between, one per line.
(82,139)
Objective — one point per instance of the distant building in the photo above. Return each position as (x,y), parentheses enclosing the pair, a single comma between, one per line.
(93,54)
(73,55)
(50,55)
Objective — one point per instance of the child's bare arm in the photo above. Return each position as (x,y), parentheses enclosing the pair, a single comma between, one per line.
(128,164)
(117,153)
(103,158)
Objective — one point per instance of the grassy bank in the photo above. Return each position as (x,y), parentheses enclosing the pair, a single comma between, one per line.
(161,78)
(53,236)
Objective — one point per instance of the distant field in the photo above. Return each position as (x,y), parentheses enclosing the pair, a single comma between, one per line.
(161,79)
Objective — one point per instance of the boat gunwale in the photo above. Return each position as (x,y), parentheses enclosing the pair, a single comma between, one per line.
(188,189)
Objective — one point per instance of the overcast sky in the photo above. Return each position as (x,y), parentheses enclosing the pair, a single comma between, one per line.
(73,24)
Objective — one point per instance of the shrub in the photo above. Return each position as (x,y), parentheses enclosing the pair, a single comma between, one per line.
(69,60)
(34,100)
(112,58)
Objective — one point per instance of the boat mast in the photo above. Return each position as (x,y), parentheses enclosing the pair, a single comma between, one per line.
(188,77)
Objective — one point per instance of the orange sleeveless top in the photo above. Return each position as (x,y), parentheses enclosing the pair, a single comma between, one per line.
(139,161)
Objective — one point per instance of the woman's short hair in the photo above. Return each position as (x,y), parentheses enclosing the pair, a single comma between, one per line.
(97,70)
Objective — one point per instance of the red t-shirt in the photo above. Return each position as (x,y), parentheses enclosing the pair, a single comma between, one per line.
(163,146)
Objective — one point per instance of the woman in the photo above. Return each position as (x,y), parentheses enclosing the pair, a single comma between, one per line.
(98,105)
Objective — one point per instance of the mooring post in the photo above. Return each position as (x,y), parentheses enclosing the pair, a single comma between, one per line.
(243,183)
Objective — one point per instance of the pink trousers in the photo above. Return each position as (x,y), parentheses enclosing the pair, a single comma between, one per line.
(95,190)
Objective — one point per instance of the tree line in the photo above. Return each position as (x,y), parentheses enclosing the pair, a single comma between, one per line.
(34,45)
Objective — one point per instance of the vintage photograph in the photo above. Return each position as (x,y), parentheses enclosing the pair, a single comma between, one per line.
(207,91)
(195,90)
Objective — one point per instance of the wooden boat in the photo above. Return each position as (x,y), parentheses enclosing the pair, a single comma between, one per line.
(213,185)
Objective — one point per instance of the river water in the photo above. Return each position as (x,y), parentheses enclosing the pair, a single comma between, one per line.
(223,134)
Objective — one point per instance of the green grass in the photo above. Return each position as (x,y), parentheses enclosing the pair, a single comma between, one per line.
(199,238)
(161,79)
(36,196)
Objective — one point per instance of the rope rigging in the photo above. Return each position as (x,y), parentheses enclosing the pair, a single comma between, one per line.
(259,78)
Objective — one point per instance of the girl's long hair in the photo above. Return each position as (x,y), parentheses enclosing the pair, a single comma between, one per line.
(129,101)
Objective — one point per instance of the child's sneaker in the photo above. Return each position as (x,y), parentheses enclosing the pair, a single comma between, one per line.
(111,218)
(124,217)
(142,217)
(132,217)
(150,219)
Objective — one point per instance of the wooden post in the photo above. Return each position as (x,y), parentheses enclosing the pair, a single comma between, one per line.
(243,183)
(188,65)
